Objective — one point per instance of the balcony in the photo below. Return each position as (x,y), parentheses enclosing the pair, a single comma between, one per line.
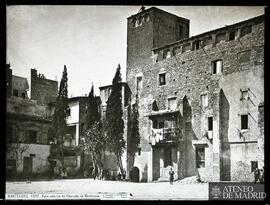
(165,135)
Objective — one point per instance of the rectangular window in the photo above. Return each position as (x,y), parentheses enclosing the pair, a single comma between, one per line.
(172,103)
(244,94)
(162,79)
(244,122)
(231,36)
(196,45)
(210,123)
(68,112)
(15,92)
(254,165)
(200,157)
(217,66)
(139,82)
(204,100)
(32,136)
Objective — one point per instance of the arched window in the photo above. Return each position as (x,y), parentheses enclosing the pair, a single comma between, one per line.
(154,106)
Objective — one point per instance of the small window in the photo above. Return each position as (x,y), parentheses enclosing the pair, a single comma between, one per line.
(200,157)
(204,100)
(217,66)
(231,36)
(15,93)
(162,79)
(244,94)
(210,123)
(68,112)
(254,165)
(154,106)
(172,103)
(23,95)
(32,136)
(139,82)
(196,45)
(244,122)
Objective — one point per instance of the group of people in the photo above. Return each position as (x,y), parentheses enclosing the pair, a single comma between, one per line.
(106,175)
(259,175)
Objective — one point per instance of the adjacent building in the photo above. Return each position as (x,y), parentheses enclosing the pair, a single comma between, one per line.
(110,160)
(27,125)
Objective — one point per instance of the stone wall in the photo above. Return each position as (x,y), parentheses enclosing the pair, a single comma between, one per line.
(43,90)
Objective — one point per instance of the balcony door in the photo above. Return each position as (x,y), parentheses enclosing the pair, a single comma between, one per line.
(168,158)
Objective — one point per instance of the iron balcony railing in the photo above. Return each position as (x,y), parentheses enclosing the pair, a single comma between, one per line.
(165,135)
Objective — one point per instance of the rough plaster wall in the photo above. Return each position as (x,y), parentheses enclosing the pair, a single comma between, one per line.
(240,165)
(27,107)
(143,163)
(40,162)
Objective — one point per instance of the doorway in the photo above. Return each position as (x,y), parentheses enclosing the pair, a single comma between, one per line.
(27,165)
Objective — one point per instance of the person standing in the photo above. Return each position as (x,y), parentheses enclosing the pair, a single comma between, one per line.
(124,175)
(171,173)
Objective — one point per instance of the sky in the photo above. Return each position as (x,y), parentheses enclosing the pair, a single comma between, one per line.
(91,40)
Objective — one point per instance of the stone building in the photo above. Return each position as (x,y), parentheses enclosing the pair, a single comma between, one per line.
(43,90)
(201,98)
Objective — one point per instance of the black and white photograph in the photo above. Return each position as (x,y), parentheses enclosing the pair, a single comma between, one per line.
(135,102)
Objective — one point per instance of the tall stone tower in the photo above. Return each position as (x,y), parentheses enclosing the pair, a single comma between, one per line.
(148,29)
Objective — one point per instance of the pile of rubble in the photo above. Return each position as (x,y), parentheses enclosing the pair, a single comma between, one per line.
(189,180)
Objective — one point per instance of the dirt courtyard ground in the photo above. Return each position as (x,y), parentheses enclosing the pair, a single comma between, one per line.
(140,191)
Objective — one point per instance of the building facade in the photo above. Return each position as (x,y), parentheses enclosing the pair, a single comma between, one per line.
(200,98)
(27,125)
(110,160)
